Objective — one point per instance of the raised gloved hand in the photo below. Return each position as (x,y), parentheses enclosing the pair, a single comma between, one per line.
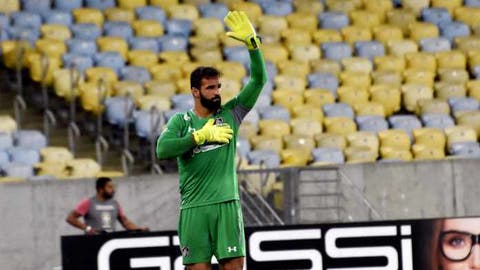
(242,29)
(212,133)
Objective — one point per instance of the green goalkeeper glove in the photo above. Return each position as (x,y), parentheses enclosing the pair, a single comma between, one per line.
(242,29)
(212,133)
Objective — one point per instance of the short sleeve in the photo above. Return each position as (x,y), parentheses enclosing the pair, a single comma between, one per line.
(120,210)
(82,207)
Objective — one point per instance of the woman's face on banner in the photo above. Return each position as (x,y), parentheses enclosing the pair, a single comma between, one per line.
(459,244)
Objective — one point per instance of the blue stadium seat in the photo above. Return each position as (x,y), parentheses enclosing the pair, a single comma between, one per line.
(182,102)
(82,46)
(144,43)
(405,122)
(32,139)
(100,4)
(369,49)
(267,88)
(436,120)
(271,69)
(463,104)
(323,80)
(253,116)
(173,43)
(265,158)
(213,10)
(112,60)
(24,155)
(116,109)
(373,123)
(338,110)
(264,100)
(333,20)
(336,50)
(436,15)
(168,114)
(179,27)
(4,158)
(143,123)
(278,8)
(86,31)
(118,29)
(35,6)
(4,36)
(79,62)
(452,30)
(465,149)
(472,3)
(57,17)
(26,19)
(4,21)
(435,44)
(274,112)
(67,5)
(328,155)
(23,33)
(237,54)
(151,13)
(243,146)
(136,74)
(6,141)
(18,170)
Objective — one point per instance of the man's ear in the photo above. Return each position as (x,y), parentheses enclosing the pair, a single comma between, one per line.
(195,92)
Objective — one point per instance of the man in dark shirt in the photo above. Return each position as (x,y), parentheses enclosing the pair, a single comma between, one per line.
(100,212)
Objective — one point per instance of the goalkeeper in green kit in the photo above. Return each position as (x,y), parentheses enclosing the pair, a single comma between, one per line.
(204,142)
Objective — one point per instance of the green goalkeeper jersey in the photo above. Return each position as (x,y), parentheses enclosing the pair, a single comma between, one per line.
(207,172)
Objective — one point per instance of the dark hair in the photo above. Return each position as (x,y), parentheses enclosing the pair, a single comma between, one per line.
(202,72)
(101,182)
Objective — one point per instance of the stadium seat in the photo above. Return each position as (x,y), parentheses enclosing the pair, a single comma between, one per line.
(465,149)
(288,99)
(453,75)
(451,59)
(318,97)
(147,28)
(240,54)
(179,27)
(369,49)
(145,121)
(214,10)
(389,63)
(147,102)
(105,74)
(55,154)
(6,141)
(173,43)
(308,112)
(338,110)
(118,29)
(336,50)
(79,62)
(412,93)
(357,64)
(339,125)
(384,78)
(305,53)
(273,127)
(135,73)
(386,33)
(290,82)
(452,30)
(433,106)
(364,139)
(326,35)
(325,66)
(23,33)
(24,155)
(401,18)
(402,47)
(26,19)
(115,44)
(111,60)
(420,77)
(323,80)
(444,91)
(352,96)
(421,61)
(440,121)
(394,154)
(274,112)
(352,34)
(430,136)
(305,127)
(55,32)
(294,157)
(100,4)
(82,168)
(131,4)
(126,87)
(360,154)
(333,20)
(182,101)
(114,14)
(437,44)
(470,119)
(394,138)
(372,123)
(265,158)
(299,141)
(83,47)
(117,110)
(436,16)
(331,140)
(183,11)
(88,16)
(426,152)
(19,170)
(67,5)
(355,79)
(388,96)
(406,123)
(327,156)
(86,31)
(31,139)
(43,67)
(266,142)
(463,104)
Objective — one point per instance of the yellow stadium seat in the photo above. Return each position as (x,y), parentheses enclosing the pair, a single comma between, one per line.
(142,58)
(295,157)
(55,31)
(148,101)
(460,134)
(385,33)
(352,34)
(266,142)
(380,7)
(445,90)
(467,44)
(453,75)
(302,21)
(55,154)
(88,15)
(308,112)
(468,15)
(132,4)
(7,124)
(82,168)
(120,15)
(326,66)
(326,35)
(394,138)
(272,26)
(107,75)
(166,72)
(123,88)
(306,126)
(288,99)
(293,68)
(402,47)
(290,83)
(227,41)
(160,88)
(274,52)
(389,63)
(422,30)
(42,67)
(365,18)
(392,153)
(295,37)
(9,6)
(147,28)
(247,130)
(51,47)
(339,125)
(305,53)
(426,152)
(318,97)
(252,9)
(388,96)
(369,108)
(451,59)
(412,93)
(208,27)
(164,4)
(331,140)
(345,6)
(90,96)
(196,2)
(451,5)
(308,6)
(175,57)
(273,127)
(209,57)
(110,174)
(356,79)
(360,154)
(295,141)
(364,139)
(183,86)
(430,136)
(432,106)
(387,77)
(57,170)
(401,18)
(62,82)
(14,52)
(230,69)
(352,95)
(419,76)
(474,92)
(415,6)
(203,43)
(113,44)
(230,86)
(470,119)
(421,61)
(183,11)
(357,65)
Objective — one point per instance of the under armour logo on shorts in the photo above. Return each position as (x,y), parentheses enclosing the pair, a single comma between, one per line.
(232,249)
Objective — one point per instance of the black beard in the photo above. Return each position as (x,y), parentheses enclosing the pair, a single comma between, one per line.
(107,196)
(211,104)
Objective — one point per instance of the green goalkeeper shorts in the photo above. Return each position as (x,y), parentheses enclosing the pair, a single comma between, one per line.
(215,229)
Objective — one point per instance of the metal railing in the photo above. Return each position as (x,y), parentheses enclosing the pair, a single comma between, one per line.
(156,122)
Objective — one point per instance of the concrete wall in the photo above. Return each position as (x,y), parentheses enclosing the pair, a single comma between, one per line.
(33,214)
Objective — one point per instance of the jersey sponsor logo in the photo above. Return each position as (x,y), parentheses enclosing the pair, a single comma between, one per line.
(206,148)
(185,251)
(218,121)
(100,207)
